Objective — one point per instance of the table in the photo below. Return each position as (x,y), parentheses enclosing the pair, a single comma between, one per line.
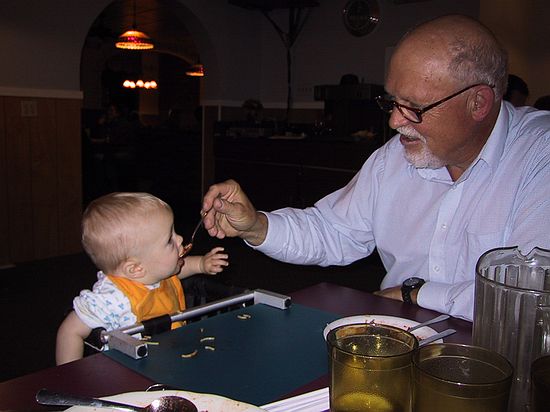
(98,375)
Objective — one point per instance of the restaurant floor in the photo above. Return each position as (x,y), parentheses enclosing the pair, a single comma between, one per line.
(35,296)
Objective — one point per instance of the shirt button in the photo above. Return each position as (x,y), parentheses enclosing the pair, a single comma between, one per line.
(444,226)
(436,268)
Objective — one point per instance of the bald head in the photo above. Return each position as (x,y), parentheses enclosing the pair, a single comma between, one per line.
(457,47)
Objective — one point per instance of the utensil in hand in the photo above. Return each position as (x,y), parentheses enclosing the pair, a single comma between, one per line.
(187,248)
(162,404)
(437,336)
(437,319)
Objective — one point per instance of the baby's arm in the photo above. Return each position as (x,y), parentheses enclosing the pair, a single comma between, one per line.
(211,263)
(70,339)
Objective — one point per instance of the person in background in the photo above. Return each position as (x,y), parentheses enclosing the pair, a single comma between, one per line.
(253,111)
(465,173)
(543,103)
(517,91)
(130,237)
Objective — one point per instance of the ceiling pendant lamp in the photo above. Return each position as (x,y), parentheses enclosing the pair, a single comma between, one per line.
(196,70)
(134,39)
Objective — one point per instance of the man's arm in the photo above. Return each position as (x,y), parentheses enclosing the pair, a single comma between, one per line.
(395,294)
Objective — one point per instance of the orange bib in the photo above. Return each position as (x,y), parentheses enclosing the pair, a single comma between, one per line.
(147,303)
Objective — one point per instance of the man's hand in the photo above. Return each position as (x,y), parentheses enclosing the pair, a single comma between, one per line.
(230,213)
(395,294)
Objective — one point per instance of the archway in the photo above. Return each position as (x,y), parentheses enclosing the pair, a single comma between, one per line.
(163,155)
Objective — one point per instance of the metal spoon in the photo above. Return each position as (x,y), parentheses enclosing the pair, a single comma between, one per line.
(188,246)
(439,318)
(162,404)
(437,336)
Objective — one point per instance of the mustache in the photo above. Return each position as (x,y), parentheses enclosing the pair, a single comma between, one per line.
(410,132)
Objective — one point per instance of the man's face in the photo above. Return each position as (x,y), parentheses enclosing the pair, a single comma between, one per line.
(417,79)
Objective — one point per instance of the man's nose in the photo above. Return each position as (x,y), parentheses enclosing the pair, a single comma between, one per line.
(397,119)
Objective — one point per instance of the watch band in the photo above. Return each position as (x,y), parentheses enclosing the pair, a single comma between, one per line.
(408,286)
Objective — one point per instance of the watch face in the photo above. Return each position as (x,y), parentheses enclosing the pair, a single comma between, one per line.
(412,282)
(361,16)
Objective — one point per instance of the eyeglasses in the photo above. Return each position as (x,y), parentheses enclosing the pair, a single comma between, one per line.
(414,114)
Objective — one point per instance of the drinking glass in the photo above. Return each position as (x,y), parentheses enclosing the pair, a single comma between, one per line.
(370,368)
(540,384)
(457,378)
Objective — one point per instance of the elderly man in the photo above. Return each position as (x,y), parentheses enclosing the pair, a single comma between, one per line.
(466,173)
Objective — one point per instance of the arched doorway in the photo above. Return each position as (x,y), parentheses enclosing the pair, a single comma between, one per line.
(157,131)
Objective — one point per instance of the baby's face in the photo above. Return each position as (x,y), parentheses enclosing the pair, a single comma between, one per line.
(161,247)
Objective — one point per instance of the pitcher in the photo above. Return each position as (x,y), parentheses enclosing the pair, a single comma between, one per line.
(512,311)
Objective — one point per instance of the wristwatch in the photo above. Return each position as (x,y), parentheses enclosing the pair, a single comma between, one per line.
(408,286)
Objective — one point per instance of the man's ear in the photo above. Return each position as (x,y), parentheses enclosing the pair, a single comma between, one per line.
(132,269)
(482,102)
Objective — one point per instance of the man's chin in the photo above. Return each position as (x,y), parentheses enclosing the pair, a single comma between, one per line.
(422,161)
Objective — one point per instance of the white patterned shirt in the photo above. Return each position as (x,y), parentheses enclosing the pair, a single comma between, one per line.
(105,306)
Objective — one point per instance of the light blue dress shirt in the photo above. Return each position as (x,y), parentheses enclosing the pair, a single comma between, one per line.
(424,224)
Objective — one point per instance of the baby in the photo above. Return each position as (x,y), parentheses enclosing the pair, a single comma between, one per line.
(130,237)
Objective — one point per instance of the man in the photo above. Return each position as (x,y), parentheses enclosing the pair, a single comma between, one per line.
(465,173)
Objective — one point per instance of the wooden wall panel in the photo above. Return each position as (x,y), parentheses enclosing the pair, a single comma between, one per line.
(44,186)
(4,235)
(40,178)
(69,175)
(18,155)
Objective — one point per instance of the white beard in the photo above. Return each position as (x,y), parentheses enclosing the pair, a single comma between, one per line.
(423,158)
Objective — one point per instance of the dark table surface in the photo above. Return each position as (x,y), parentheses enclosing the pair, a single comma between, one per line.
(98,375)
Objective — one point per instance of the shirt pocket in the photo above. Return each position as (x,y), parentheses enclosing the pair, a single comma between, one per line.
(476,244)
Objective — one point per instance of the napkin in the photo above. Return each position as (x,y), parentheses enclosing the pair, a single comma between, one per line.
(315,401)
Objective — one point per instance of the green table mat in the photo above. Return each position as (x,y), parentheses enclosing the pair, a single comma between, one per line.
(256,360)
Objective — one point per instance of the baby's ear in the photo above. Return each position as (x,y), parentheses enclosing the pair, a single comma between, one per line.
(132,269)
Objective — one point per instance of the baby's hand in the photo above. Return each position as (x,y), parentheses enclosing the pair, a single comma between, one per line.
(214,261)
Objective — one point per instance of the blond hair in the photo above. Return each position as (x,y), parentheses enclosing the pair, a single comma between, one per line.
(111,224)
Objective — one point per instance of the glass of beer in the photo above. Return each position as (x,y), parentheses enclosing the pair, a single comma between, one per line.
(457,378)
(370,368)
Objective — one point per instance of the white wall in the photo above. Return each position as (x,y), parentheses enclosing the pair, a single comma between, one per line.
(523,26)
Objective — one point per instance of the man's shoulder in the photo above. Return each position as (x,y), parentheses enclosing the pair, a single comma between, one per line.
(526,122)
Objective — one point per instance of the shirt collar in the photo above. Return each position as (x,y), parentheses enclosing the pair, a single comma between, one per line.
(494,147)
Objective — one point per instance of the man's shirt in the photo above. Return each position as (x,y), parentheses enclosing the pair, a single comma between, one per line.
(424,224)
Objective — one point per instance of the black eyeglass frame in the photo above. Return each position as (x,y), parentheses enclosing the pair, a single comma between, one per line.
(387,105)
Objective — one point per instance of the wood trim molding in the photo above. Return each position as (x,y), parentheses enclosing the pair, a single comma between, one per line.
(48,93)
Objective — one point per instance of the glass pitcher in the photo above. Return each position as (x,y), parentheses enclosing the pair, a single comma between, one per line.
(512,312)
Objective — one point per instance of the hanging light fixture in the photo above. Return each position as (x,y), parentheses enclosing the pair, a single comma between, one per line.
(131,84)
(134,39)
(196,70)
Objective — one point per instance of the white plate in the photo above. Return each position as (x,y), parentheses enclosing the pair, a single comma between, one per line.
(402,323)
(203,401)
